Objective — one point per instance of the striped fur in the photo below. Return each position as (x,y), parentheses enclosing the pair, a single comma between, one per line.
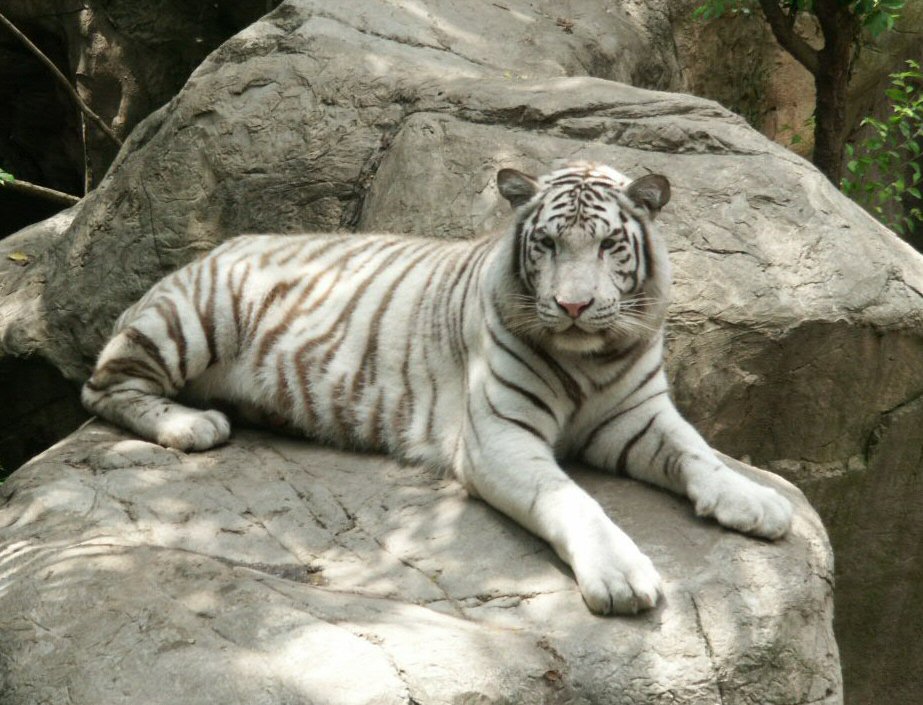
(489,358)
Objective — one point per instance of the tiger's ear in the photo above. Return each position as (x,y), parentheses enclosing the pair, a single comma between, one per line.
(651,192)
(516,187)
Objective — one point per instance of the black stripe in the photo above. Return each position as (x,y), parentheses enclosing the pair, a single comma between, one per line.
(534,398)
(571,387)
(522,424)
(622,463)
(609,419)
(512,353)
(636,269)
(648,258)
(612,417)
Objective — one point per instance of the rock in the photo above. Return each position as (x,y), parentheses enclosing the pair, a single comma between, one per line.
(797,328)
(273,571)
(787,293)
(125,59)
(39,406)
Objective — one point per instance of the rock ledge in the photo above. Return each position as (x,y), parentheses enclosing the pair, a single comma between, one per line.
(274,571)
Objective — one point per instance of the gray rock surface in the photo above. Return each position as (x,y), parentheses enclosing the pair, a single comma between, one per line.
(271,571)
(797,330)
(786,291)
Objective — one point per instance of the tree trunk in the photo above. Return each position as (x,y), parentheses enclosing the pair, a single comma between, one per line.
(830,120)
(840,28)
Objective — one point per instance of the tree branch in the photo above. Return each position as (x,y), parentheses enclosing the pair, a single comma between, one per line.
(62,79)
(782,26)
(49,194)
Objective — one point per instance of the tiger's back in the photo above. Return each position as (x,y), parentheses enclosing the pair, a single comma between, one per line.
(358,341)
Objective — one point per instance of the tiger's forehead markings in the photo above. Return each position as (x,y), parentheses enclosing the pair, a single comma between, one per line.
(578,197)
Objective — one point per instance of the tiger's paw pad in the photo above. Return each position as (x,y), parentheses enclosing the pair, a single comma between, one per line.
(189,429)
(743,505)
(609,589)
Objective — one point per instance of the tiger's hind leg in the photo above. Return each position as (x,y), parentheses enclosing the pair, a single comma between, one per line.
(142,368)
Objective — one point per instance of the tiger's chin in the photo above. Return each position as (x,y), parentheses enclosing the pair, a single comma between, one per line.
(577,340)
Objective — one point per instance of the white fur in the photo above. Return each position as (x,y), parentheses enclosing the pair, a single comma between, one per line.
(438,352)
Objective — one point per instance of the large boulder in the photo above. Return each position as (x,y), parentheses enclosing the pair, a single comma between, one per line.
(797,329)
(270,571)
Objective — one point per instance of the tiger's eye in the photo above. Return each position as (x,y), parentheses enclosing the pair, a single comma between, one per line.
(547,243)
(607,244)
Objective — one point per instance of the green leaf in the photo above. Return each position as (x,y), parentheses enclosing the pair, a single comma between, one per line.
(6,177)
(878,22)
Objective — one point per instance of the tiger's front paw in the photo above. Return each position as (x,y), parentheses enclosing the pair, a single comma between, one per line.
(614,576)
(190,429)
(741,504)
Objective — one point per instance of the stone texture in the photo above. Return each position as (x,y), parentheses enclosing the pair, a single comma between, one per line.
(271,571)
(797,329)
(124,58)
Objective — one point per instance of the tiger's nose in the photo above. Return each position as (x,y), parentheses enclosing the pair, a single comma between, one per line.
(574,309)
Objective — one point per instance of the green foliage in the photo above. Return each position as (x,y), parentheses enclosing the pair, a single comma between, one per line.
(5,177)
(886,167)
(794,136)
(713,9)
(876,16)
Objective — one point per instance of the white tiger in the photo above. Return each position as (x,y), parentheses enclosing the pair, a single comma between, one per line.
(490,358)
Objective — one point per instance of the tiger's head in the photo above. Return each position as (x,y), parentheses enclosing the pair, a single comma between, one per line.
(591,273)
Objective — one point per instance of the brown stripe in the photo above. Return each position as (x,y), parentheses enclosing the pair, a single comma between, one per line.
(375,423)
(206,316)
(175,330)
(130,368)
(403,410)
(431,413)
(286,244)
(153,352)
(284,391)
(338,407)
(368,365)
(302,370)
(343,320)
(237,296)
(295,310)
